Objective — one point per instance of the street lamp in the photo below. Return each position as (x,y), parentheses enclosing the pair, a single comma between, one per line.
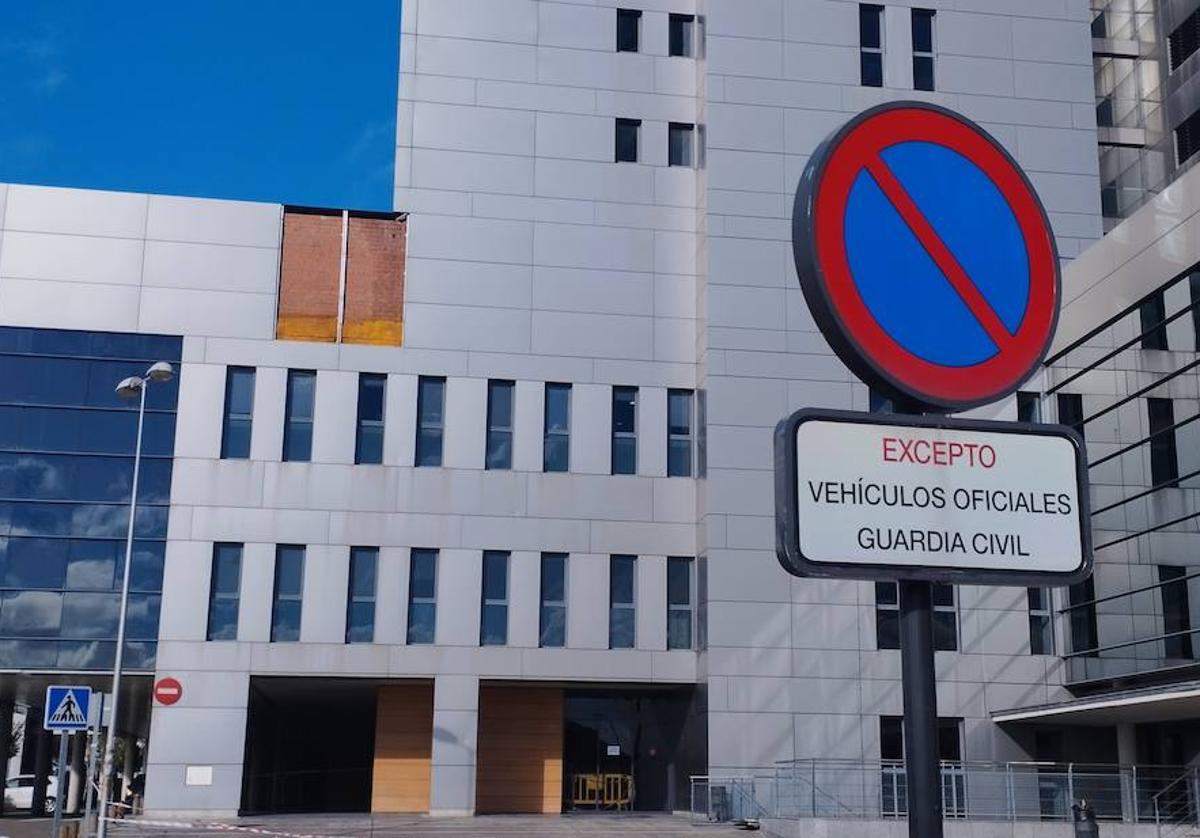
(128,388)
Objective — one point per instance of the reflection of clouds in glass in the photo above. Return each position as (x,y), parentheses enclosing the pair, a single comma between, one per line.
(90,615)
(89,655)
(26,654)
(90,574)
(30,613)
(42,477)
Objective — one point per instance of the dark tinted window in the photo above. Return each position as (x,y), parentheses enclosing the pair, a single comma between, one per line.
(1151,314)
(1164,460)
(627,131)
(1187,138)
(1041,622)
(1177,621)
(224,592)
(298,415)
(922,36)
(499,425)
(553,617)
(493,624)
(621,621)
(681,35)
(1070,411)
(1028,407)
(870,41)
(239,413)
(680,146)
(1185,40)
(628,23)
(360,598)
(624,430)
(679,433)
(679,603)
(887,615)
(368,442)
(289,593)
(422,596)
(1082,616)
(431,400)
(556,449)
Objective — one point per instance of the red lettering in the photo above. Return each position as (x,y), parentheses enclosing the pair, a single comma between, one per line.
(889,449)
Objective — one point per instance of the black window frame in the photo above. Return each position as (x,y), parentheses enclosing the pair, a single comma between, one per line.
(415,601)
(552,615)
(623,450)
(1164,451)
(681,35)
(554,438)
(681,152)
(681,602)
(297,446)
(368,427)
(217,596)
(358,556)
(1029,406)
(629,26)
(233,419)
(870,44)
(1070,411)
(681,441)
(1040,603)
(924,60)
(1152,311)
(617,564)
(280,597)
(431,428)
(498,446)
(627,140)
(1176,611)
(496,564)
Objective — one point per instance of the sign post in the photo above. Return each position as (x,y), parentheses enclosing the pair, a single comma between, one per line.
(929,264)
(66,713)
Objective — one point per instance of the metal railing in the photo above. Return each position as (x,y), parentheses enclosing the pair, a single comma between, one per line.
(1012,791)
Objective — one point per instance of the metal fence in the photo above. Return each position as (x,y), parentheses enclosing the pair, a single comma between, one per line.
(1013,791)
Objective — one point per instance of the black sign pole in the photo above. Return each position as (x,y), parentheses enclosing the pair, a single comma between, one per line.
(921,767)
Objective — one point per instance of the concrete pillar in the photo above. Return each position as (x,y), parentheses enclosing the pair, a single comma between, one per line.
(41,760)
(455,734)
(79,746)
(6,723)
(1127,756)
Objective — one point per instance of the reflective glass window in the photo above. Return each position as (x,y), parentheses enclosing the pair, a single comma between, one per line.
(621,619)
(35,563)
(679,603)
(360,600)
(368,443)
(289,592)
(92,564)
(679,433)
(422,595)
(553,617)
(624,430)
(431,400)
(224,591)
(499,425)
(626,140)
(30,613)
(493,629)
(556,449)
(629,22)
(680,144)
(90,615)
(239,413)
(298,416)
(680,34)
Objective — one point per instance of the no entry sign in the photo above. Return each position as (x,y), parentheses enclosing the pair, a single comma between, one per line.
(902,497)
(167,691)
(926,257)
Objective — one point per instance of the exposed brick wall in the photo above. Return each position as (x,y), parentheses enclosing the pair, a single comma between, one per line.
(375,281)
(309,274)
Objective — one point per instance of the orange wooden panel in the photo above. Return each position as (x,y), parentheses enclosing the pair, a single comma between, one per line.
(403,748)
(520,750)
(309,276)
(375,253)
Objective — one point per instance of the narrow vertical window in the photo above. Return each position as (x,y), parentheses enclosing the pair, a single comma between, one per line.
(622,630)
(360,598)
(289,593)
(556,446)
(923,40)
(431,402)
(1070,411)
(629,24)
(681,35)
(553,618)
(368,442)
(877,402)
(870,44)
(679,433)
(680,144)
(1164,460)
(1177,618)
(1041,624)
(1194,296)
(945,618)
(1084,637)
(499,425)
(627,131)
(239,413)
(224,591)
(1028,407)
(422,596)
(1151,314)
(679,603)
(298,416)
(887,615)
(624,430)
(493,623)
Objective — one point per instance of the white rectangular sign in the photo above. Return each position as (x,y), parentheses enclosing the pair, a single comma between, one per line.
(871,496)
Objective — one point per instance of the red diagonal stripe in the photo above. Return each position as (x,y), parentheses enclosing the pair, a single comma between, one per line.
(939,253)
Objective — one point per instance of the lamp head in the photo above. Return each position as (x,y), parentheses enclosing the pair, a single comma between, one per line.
(160,372)
(129,388)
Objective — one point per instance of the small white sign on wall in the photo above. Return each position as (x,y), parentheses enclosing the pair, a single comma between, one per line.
(198,775)
(613,750)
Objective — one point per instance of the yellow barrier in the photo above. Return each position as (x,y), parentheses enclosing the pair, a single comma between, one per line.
(608,791)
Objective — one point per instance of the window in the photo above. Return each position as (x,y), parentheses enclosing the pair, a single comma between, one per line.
(1152,312)
(681,35)
(1070,410)
(1029,407)
(1082,599)
(1187,138)
(887,617)
(679,603)
(680,145)
(239,413)
(1176,611)
(289,593)
(627,140)
(360,599)
(368,444)
(629,22)
(556,444)
(1164,463)
(298,416)
(879,403)
(553,620)
(870,44)
(1041,623)
(895,784)
(922,38)
(621,626)
(224,591)
(431,402)
(422,596)
(1185,40)
(493,623)
(499,425)
(624,430)
(679,433)
(891,738)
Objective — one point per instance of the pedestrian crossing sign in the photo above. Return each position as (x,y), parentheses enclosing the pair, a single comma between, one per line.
(67,708)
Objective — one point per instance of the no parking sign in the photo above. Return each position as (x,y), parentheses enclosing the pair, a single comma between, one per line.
(926,257)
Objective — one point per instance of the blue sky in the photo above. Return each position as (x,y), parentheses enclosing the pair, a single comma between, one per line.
(292,101)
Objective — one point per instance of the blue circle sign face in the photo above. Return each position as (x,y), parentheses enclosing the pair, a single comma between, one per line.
(926,257)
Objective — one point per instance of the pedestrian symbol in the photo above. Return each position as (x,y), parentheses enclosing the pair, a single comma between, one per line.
(67,708)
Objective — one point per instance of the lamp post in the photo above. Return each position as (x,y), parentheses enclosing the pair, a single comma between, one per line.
(134,386)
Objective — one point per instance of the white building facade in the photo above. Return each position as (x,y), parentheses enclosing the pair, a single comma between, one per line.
(545,484)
